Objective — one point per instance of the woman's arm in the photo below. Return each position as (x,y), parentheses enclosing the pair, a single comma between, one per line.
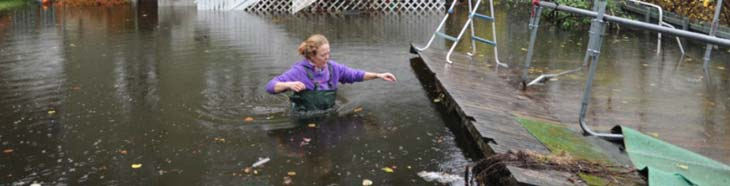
(385,76)
(295,86)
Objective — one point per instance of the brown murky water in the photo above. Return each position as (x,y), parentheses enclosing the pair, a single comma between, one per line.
(148,96)
(87,94)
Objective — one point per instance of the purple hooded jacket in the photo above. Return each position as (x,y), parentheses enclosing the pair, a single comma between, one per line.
(298,72)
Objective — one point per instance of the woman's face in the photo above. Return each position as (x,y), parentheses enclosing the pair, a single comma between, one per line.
(322,55)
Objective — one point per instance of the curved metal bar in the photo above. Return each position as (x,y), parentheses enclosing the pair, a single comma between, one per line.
(661,15)
(443,21)
(494,36)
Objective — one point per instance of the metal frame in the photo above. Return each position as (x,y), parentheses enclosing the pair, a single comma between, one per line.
(596,40)
(469,24)
(713,31)
(661,23)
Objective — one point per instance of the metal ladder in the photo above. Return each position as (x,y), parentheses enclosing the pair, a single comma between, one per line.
(469,23)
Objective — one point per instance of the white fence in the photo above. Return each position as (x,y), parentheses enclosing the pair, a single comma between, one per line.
(293,6)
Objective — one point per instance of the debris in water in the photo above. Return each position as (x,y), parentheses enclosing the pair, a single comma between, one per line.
(261,162)
(358,109)
(312,125)
(248,119)
(721,68)
(124,152)
(440,177)
(247,170)
(291,173)
(136,165)
(219,140)
(682,166)
(387,169)
(51,111)
(305,141)
(654,134)
(287,180)
(367,182)
(436,100)
(8,151)
(35,184)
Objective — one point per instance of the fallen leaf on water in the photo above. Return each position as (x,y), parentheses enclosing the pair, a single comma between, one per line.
(287,180)
(312,125)
(387,169)
(219,139)
(358,109)
(136,165)
(367,182)
(656,135)
(123,152)
(523,49)
(51,111)
(8,151)
(248,119)
(291,173)
(682,166)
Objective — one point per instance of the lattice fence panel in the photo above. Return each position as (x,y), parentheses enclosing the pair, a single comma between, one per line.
(285,6)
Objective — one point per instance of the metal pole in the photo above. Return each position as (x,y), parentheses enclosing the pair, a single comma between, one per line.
(473,44)
(443,21)
(652,27)
(713,31)
(596,39)
(533,26)
(494,35)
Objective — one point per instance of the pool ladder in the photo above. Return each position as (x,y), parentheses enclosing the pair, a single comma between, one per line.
(469,23)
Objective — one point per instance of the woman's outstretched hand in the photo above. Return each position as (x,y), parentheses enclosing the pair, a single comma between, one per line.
(387,77)
(295,86)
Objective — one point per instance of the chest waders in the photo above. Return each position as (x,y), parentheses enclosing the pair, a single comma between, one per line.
(314,100)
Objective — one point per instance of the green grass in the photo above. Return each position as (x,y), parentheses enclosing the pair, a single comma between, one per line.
(592,180)
(10,4)
(559,139)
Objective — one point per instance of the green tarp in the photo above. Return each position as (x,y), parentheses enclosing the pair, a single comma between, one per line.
(670,165)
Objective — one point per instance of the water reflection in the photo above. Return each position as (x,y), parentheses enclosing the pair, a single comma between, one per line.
(142,95)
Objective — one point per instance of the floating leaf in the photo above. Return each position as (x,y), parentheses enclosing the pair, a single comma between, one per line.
(523,49)
(287,180)
(247,170)
(312,125)
(358,109)
(682,166)
(124,152)
(51,111)
(219,139)
(248,119)
(291,173)
(366,182)
(8,151)
(656,135)
(387,169)
(136,165)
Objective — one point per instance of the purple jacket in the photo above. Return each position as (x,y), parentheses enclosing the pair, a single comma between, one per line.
(298,72)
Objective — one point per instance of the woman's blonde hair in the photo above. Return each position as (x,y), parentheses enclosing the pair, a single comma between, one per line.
(309,47)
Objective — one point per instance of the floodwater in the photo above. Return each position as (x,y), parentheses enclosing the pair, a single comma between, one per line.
(175,96)
(141,96)
(665,95)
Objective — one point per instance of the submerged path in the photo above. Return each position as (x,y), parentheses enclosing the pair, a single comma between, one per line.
(486,105)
